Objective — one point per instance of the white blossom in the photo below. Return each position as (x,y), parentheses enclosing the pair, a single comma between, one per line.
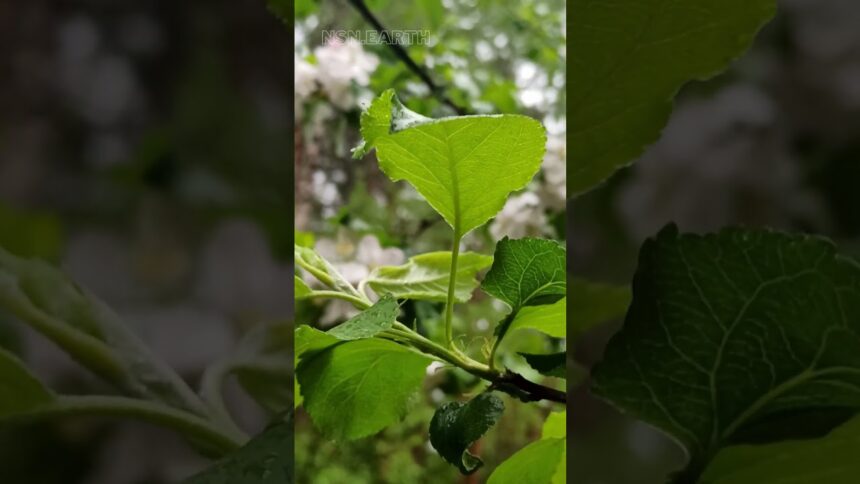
(339,65)
(553,190)
(305,78)
(522,215)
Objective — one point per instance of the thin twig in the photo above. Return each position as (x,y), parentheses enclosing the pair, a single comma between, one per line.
(401,54)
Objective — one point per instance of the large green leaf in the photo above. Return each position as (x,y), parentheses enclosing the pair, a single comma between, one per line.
(594,303)
(630,58)
(831,459)
(465,167)
(356,388)
(266,459)
(308,341)
(425,277)
(550,319)
(728,333)
(456,426)
(366,324)
(40,295)
(527,272)
(20,392)
(541,462)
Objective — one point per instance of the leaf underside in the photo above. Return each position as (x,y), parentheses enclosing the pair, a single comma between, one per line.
(729,330)
(451,160)
(425,277)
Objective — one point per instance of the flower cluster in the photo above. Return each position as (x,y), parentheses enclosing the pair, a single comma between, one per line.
(340,69)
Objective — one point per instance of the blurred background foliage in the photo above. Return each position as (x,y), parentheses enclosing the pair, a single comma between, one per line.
(145,147)
(775,142)
(485,57)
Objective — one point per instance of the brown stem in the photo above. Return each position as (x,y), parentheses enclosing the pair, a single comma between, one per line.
(401,54)
(527,390)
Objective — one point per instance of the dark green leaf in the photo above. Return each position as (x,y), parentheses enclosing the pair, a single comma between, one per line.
(527,272)
(455,426)
(554,364)
(369,322)
(728,330)
(630,58)
(266,459)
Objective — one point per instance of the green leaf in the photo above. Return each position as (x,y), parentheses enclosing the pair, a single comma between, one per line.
(554,364)
(831,459)
(366,324)
(630,59)
(592,304)
(266,459)
(455,426)
(425,277)
(320,268)
(356,388)
(555,425)
(541,462)
(450,160)
(527,272)
(729,331)
(40,295)
(20,391)
(301,289)
(310,340)
(550,319)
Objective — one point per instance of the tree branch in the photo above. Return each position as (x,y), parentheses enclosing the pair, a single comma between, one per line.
(527,390)
(401,54)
